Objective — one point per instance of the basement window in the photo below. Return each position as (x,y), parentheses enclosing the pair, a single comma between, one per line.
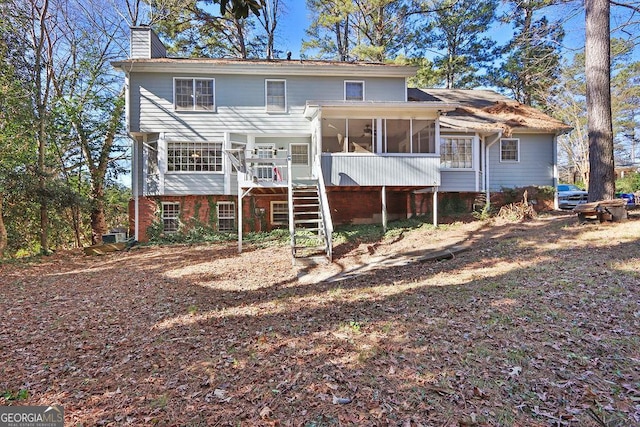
(170,217)
(279,213)
(226,216)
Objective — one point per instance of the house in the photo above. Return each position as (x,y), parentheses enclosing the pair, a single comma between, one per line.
(306,144)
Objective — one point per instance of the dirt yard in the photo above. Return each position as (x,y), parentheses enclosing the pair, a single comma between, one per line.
(537,324)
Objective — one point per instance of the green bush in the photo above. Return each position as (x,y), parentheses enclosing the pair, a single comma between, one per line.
(629,184)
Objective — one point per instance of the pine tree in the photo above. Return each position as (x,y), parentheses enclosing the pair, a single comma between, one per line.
(532,61)
(456,32)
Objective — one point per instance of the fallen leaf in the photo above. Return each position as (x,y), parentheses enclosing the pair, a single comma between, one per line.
(341,400)
(265,412)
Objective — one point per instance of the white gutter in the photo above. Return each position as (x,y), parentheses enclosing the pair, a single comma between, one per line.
(269,68)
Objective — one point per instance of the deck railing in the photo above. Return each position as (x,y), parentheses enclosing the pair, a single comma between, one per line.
(324,206)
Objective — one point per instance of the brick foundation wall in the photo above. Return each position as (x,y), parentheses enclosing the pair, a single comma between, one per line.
(365,206)
(256,212)
(348,206)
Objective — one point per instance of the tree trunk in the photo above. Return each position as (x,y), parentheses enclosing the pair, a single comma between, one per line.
(3,230)
(42,97)
(98,168)
(98,220)
(598,76)
(44,214)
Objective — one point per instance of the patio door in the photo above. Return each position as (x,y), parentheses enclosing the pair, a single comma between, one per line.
(300,160)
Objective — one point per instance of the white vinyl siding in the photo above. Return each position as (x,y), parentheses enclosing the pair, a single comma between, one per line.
(239,104)
(226,216)
(509,150)
(194,157)
(276,96)
(170,217)
(191,94)
(534,168)
(353,90)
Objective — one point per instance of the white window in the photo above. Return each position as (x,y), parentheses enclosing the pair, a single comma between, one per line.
(353,90)
(276,96)
(226,216)
(279,213)
(170,217)
(299,154)
(264,171)
(194,157)
(509,150)
(456,152)
(194,94)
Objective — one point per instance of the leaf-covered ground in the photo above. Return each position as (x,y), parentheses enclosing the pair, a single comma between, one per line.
(538,324)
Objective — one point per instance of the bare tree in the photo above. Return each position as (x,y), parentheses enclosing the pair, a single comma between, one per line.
(271,10)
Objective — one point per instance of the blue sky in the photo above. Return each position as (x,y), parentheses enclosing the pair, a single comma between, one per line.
(293,24)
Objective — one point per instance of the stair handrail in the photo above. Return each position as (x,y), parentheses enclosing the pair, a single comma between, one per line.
(290,207)
(324,206)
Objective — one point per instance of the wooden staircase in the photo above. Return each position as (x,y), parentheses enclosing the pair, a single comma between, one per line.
(310,238)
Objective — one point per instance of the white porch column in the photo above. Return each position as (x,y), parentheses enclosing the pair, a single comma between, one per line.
(384,209)
(435,206)
(240,226)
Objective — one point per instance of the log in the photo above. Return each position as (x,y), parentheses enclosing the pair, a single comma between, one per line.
(105,248)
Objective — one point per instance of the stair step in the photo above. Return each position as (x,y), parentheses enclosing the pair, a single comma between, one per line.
(309,251)
(307,221)
(319,246)
(304,182)
(310,229)
(306,213)
(306,205)
(307,236)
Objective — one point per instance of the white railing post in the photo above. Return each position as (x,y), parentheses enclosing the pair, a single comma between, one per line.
(290,206)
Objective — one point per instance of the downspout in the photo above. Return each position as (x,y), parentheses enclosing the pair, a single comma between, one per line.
(556,204)
(240,224)
(135,153)
(486,166)
(135,185)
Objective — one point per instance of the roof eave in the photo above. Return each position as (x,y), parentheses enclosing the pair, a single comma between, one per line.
(312,107)
(282,68)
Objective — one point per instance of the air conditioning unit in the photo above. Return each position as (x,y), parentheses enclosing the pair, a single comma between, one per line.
(114,237)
